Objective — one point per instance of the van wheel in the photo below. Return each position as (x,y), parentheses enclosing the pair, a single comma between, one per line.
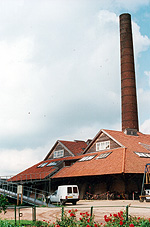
(62,202)
(74,202)
(141,199)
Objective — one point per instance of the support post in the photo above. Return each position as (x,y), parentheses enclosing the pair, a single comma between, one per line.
(19,214)
(91,212)
(62,213)
(34,213)
(127,212)
(15,214)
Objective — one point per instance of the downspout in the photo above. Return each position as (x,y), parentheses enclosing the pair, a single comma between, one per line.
(123,161)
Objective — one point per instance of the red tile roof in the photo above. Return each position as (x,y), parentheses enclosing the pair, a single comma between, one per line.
(34,173)
(95,166)
(121,160)
(76,147)
(133,163)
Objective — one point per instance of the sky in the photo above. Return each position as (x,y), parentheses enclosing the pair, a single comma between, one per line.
(60,73)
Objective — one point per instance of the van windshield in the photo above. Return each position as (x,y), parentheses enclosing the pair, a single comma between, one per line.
(69,190)
(75,190)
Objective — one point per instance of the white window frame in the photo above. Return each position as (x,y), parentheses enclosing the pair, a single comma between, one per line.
(42,165)
(87,158)
(142,154)
(58,154)
(104,155)
(104,145)
(52,164)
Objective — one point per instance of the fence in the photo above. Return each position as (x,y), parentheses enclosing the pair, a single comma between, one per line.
(34,213)
(30,195)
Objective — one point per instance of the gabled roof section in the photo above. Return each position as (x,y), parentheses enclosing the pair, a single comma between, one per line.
(42,169)
(111,164)
(98,134)
(73,147)
(132,143)
(76,147)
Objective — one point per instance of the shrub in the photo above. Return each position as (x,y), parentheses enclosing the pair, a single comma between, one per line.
(3,203)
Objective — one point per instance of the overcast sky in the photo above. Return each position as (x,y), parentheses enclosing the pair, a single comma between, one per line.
(60,73)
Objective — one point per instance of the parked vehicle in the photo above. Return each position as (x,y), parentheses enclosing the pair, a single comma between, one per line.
(64,194)
(147,192)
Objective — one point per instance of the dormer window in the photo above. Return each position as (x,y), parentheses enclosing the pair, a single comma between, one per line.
(58,154)
(102,145)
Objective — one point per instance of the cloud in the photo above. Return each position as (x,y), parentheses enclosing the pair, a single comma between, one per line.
(145,127)
(147,73)
(60,76)
(15,161)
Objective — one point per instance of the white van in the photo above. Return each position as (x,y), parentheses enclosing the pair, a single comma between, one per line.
(64,194)
(147,192)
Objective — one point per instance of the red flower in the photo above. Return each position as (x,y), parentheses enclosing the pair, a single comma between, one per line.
(76,210)
(121,223)
(138,218)
(69,211)
(88,226)
(81,213)
(119,215)
(107,219)
(131,225)
(115,215)
(72,214)
(88,220)
(95,225)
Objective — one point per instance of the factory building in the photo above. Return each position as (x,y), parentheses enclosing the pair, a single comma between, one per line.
(113,161)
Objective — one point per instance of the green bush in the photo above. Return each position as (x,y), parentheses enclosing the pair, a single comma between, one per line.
(3,203)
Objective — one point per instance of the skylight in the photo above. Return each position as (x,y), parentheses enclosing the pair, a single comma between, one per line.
(86,158)
(143,155)
(146,146)
(52,164)
(42,165)
(105,155)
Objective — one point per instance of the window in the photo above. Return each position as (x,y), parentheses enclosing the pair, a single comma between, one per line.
(42,165)
(69,190)
(143,155)
(58,154)
(146,146)
(102,145)
(52,164)
(104,155)
(75,190)
(86,158)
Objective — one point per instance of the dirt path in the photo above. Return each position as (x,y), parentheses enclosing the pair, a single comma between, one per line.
(100,208)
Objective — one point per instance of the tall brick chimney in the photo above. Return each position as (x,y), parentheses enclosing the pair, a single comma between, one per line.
(128,84)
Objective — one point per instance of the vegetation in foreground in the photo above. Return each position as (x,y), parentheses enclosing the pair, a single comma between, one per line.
(69,220)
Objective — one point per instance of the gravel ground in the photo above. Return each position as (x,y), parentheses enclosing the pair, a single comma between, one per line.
(100,208)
